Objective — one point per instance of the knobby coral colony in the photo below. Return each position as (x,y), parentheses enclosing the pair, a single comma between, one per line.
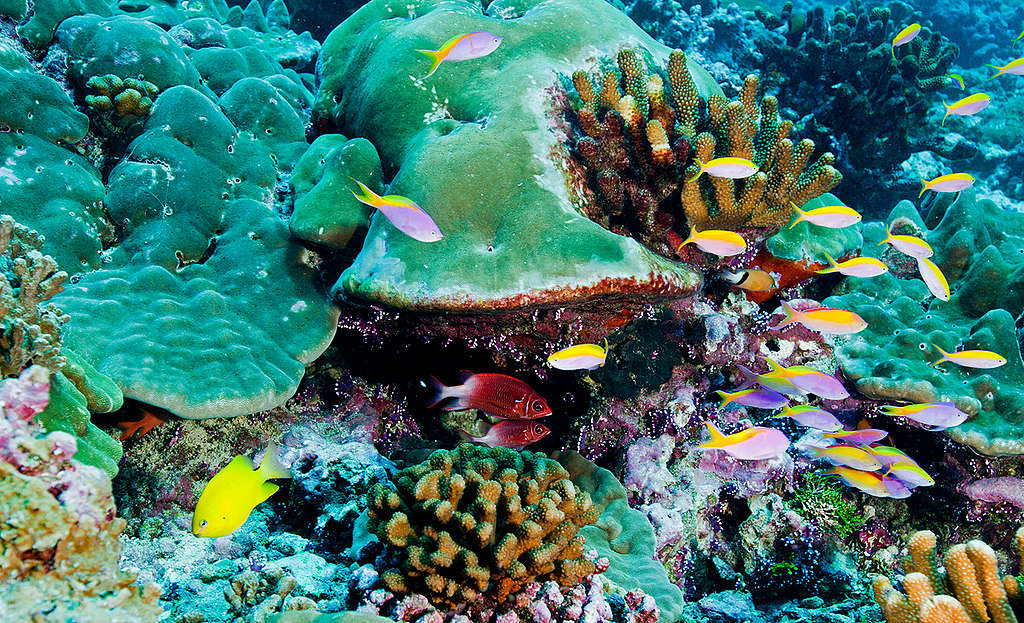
(640,143)
(482,521)
(970,590)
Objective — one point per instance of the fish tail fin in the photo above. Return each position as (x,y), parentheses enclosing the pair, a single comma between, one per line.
(833,266)
(749,377)
(998,74)
(888,410)
(791,316)
(439,391)
(802,214)
(776,367)
(699,172)
(435,56)
(716,436)
(894,50)
(945,355)
(689,239)
(726,398)
(888,234)
(271,466)
(924,183)
(365,195)
(466,436)
(949,109)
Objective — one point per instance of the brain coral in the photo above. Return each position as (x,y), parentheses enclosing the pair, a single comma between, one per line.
(482,521)
(980,249)
(474,145)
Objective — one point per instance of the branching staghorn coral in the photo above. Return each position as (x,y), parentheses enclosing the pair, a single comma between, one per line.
(30,327)
(638,139)
(970,589)
(482,521)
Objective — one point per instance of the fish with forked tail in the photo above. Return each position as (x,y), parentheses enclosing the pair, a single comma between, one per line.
(499,395)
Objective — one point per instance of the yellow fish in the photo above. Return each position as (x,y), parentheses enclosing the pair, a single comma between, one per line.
(952,183)
(972,358)
(752,279)
(229,497)
(967,106)
(717,241)
(855,267)
(1016,68)
(849,456)
(910,245)
(580,357)
(933,278)
(463,48)
(905,36)
(823,319)
(833,217)
(732,168)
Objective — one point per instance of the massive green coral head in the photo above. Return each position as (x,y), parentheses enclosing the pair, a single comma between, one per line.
(475,146)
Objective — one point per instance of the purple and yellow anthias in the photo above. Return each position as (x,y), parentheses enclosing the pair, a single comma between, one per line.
(463,48)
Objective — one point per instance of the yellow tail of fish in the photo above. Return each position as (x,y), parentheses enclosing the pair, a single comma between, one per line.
(716,436)
(689,239)
(1001,71)
(945,355)
(436,56)
(802,214)
(923,181)
(700,172)
(368,197)
(949,109)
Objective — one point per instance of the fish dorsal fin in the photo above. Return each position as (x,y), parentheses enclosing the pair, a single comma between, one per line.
(863,424)
(463,376)
(271,467)
(776,367)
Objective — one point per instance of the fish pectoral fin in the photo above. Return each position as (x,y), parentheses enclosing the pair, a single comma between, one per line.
(267,489)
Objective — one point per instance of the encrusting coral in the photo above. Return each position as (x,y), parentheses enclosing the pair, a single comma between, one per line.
(969,590)
(58,530)
(640,141)
(482,521)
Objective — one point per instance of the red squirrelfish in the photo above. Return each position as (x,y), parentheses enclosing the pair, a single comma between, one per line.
(495,394)
(512,434)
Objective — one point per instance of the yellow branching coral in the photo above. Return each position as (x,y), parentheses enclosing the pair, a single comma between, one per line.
(482,521)
(642,133)
(971,590)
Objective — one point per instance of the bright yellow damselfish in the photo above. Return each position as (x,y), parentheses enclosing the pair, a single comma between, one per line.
(229,497)
(579,357)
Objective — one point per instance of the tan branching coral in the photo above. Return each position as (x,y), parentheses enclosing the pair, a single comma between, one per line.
(971,590)
(639,142)
(127,99)
(30,326)
(482,521)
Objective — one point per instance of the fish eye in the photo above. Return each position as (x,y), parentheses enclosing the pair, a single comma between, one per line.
(537,406)
(203,524)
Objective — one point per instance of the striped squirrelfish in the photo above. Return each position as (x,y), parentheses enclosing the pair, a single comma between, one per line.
(933,278)
(1015,68)
(463,48)
(231,495)
(812,417)
(905,36)
(983,359)
(970,105)
(751,279)
(936,415)
(760,398)
(579,357)
(833,217)
(495,394)
(872,483)
(823,320)
(855,267)
(909,245)
(732,168)
(752,444)
(406,216)
(808,380)
(859,437)
(951,183)
(849,456)
(717,241)
(511,434)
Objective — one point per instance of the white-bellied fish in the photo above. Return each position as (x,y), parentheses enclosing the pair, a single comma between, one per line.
(233,492)
(732,168)
(970,105)
(905,36)
(402,212)
(872,483)
(951,183)
(909,473)
(936,415)
(811,416)
(579,357)
(752,444)
(808,380)
(760,398)
(933,278)
(463,48)
(1015,68)
(833,217)
(774,383)
(983,359)
(862,266)
(859,437)
(751,279)
(849,456)
(717,241)
(908,245)
(823,320)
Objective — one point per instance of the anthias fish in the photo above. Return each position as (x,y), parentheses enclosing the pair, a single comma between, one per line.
(808,380)
(855,267)
(833,217)
(983,359)
(936,415)
(751,444)
(970,105)
(406,216)
(463,48)
(1015,68)
(512,434)
(732,168)
(579,357)
(905,36)
(933,278)
(229,497)
(760,398)
(823,320)
(951,183)
(859,437)
(717,241)
(849,456)
(812,417)
(766,380)
(908,245)
(495,394)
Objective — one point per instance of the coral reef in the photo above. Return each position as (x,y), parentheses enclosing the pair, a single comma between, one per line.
(511,237)
(638,142)
(59,552)
(977,246)
(969,588)
(478,521)
(127,100)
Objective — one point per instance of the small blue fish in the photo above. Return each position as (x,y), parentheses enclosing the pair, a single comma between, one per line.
(760,398)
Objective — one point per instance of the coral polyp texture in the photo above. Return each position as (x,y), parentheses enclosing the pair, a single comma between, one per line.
(126,100)
(512,236)
(58,531)
(967,588)
(639,135)
(482,521)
